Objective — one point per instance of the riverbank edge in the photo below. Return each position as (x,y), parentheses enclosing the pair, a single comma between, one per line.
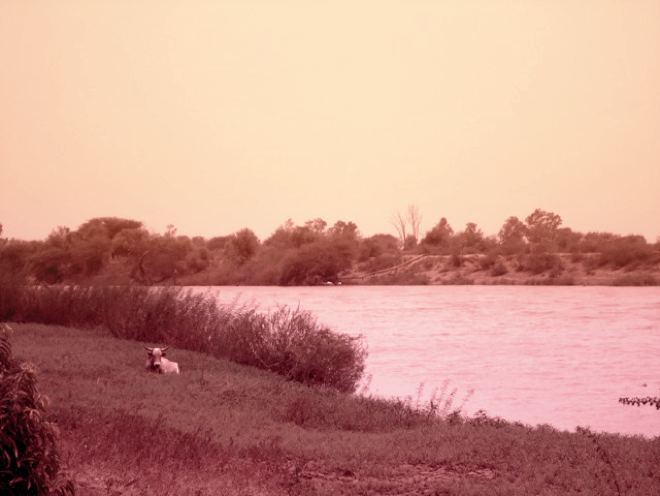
(253,432)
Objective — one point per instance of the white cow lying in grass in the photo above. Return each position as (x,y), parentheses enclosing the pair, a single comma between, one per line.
(156,361)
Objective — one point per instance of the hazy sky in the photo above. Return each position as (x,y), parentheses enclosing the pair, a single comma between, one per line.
(217,115)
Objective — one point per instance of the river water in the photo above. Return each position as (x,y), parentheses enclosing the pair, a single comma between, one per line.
(540,355)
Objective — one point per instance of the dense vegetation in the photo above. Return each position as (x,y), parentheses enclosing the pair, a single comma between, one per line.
(122,251)
(289,342)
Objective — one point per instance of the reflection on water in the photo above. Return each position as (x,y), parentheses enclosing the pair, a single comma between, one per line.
(541,355)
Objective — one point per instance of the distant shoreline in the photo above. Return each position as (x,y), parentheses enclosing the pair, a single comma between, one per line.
(438,270)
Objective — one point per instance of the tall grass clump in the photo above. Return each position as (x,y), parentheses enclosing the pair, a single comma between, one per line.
(29,458)
(286,341)
(292,343)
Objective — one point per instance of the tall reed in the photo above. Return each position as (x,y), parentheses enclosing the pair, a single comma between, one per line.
(286,341)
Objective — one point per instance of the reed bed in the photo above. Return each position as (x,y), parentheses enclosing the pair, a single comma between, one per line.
(287,341)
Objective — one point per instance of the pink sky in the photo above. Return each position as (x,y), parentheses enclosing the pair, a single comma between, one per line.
(219,115)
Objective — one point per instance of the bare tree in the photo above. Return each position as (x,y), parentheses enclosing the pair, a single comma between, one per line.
(415,219)
(400,223)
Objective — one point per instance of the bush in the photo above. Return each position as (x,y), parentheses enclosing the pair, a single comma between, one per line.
(629,252)
(537,263)
(292,343)
(29,461)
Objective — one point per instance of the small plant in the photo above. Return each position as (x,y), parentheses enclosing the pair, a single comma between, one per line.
(650,401)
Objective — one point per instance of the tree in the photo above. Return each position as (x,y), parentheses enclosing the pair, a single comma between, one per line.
(346,229)
(60,237)
(542,227)
(415,219)
(400,223)
(439,236)
(134,244)
(512,235)
(242,247)
(109,226)
(316,226)
(377,245)
(471,240)
(50,264)
(315,263)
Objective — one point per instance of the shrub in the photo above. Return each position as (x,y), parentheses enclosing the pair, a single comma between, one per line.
(293,344)
(498,269)
(29,459)
(629,252)
(537,263)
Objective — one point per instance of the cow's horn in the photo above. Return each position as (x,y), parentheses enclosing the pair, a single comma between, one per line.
(165,349)
(148,349)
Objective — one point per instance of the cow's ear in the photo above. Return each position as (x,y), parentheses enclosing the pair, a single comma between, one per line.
(163,354)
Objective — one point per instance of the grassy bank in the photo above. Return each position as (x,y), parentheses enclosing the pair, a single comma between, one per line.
(289,342)
(225,428)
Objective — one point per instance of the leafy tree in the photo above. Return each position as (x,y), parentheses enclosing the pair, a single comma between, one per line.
(542,227)
(108,226)
(217,243)
(50,264)
(377,245)
(90,255)
(242,246)
(316,226)
(512,235)
(15,255)
(315,263)
(345,229)
(281,238)
(568,241)
(439,236)
(410,243)
(471,240)
(134,244)
(303,235)
(627,251)
(166,256)
(60,237)
(593,242)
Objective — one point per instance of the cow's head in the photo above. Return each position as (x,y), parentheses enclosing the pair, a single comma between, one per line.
(155,355)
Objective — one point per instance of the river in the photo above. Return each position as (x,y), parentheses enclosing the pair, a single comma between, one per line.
(539,355)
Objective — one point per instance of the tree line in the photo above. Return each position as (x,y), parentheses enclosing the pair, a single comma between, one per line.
(307,254)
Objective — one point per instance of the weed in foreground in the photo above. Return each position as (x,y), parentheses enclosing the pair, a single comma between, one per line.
(29,457)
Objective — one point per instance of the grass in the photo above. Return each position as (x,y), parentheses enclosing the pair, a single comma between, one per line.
(224,428)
